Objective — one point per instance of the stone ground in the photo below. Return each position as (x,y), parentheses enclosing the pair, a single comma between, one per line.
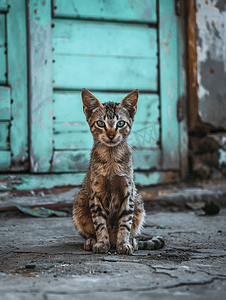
(43,258)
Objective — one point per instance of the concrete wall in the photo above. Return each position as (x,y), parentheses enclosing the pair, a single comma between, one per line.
(208,135)
(211,51)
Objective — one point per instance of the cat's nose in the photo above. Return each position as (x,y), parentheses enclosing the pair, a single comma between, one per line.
(111,136)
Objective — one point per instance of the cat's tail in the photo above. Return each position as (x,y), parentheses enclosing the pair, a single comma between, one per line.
(154,243)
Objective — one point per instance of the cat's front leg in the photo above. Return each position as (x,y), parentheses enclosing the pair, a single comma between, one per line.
(124,224)
(100,225)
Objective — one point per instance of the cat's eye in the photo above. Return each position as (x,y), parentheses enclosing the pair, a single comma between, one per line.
(100,123)
(121,123)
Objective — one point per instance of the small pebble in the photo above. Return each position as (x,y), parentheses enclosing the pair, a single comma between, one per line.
(211,208)
(109,253)
(30,266)
(160,227)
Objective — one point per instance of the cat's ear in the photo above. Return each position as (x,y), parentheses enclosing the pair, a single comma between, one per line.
(130,102)
(90,102)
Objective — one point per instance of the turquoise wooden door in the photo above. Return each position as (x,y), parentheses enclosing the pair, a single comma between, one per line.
(13,87)
(110,48)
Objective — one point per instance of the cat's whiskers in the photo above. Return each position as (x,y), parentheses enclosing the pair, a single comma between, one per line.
(133,149)
(98,145)
(88,150)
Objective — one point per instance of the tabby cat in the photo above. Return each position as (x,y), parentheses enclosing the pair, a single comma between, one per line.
(108,211)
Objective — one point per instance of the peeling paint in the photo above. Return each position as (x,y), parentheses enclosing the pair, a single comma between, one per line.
(34,161)
(169,91)
(17,83)
(20,161)
(220,5)
(212,106)
(211,48)
(165,45)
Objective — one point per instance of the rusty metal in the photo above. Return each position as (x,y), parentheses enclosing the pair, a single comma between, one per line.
(192,63)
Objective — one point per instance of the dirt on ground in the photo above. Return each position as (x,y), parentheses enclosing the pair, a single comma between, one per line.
(43,258)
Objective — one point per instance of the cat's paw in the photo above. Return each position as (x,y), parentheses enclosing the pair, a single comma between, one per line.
(101,247)
(88,245)
(134,243)
(125,248)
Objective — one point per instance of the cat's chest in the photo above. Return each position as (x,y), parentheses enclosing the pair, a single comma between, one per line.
(112,191)
(109,166)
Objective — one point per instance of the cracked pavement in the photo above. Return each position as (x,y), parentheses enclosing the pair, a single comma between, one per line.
(44,259)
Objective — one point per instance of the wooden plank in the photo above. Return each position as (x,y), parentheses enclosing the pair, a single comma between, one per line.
(4,136)
(41,146)
(72,136)
(32,181)
(145,179)
(108,73)
(92,38)
(5,106)
(5,161)
(78,161)
(120,10)
(50,200)
(146,159)
(68,106)
(36,181)
(3,5)
(72,132)
(17,79)
(2,49)
(77,136)
(70,161)
(169,84)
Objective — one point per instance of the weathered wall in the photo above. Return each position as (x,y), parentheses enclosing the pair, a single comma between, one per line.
(211,50)
(208,112)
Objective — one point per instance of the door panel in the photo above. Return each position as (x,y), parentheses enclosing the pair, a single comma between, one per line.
(69,134)
(2,49)
(102,49)
(68,106)
(104,39)
(121,10)
(109,47)
(5,106)
(13,89)
(104,73)
(103,58)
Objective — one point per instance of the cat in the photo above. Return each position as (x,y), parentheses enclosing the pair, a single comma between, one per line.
(108,211)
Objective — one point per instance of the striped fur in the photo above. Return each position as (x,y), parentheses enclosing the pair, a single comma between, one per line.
(108,211)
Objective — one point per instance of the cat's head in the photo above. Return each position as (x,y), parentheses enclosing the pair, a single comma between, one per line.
(110,123)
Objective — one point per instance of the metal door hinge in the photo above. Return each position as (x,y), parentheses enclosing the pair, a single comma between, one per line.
(177,7)
(180,110)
